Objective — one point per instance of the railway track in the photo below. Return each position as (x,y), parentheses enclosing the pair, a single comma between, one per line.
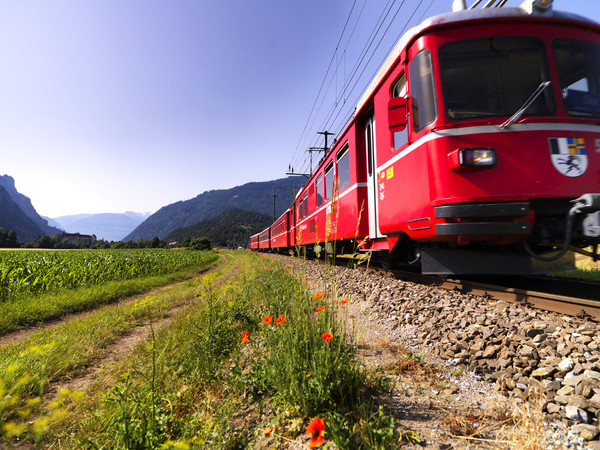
(548,294)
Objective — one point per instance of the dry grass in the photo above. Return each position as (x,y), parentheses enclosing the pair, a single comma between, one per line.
(521,427)
(528,430)
(586,263)
(467,425)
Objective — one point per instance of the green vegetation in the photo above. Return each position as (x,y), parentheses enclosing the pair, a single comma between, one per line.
(248,359)
(24,273)
(38,286)
(586,269)
(230,229)
(8,239)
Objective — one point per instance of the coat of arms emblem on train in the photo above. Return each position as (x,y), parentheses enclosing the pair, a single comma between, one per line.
(568,155)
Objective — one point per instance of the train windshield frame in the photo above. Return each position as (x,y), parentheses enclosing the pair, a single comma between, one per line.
(578,67)
(493,77)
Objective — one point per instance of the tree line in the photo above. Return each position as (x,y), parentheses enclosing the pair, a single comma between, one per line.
(8,239)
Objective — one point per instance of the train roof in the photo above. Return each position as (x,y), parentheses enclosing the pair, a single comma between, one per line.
(462,16)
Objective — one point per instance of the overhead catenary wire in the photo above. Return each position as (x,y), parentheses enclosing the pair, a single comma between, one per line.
(375,31)
(325,77)
(345,101)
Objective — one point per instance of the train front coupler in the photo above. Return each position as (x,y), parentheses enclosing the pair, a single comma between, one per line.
(588,205)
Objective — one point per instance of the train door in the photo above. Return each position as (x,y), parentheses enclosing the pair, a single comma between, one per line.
(372,178)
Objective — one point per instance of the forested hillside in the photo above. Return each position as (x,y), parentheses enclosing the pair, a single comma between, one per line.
(251,196)
(232,228)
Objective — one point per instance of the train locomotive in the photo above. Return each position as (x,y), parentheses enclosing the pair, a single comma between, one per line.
(475,150)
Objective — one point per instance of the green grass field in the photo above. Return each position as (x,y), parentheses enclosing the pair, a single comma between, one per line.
(247,358)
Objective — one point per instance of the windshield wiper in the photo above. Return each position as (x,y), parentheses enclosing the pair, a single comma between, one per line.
(543,85)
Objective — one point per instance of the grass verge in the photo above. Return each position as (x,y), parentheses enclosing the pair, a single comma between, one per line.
(250,363)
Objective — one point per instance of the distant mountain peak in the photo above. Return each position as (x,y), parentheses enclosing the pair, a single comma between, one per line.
(27,232)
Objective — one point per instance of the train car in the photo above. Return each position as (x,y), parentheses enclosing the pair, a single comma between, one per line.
(486,139)
(331,209)
(264,239)
(254,242)
(476,148)
(281,233)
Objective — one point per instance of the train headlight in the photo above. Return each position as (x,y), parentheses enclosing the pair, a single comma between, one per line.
(472,158)
(477,157)
(543,5)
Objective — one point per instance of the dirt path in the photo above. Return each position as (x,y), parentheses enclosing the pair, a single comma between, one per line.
(119,349)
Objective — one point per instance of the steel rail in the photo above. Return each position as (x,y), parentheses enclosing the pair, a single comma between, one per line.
(563,304)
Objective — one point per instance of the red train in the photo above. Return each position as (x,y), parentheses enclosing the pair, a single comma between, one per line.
(476,149)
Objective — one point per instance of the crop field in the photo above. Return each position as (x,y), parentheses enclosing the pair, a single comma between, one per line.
(40,286)
(34,272)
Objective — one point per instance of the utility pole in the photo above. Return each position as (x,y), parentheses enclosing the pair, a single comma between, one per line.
(311,150)
(274,207)
(325,133)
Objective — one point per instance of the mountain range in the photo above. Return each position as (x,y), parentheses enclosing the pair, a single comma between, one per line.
(268,197)
(18,214)
(107,226)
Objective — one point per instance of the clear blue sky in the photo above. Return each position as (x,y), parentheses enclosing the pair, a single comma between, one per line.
(115,105)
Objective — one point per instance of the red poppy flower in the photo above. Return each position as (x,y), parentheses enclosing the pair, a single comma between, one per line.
(318,296)
(321,308)
(280,319)
(268,320)
(245,336)
(344,301)
(268,431)
(315,428)
(327,336)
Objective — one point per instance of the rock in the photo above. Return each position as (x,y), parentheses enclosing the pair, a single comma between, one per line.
(573,380)
(591,374)
(566,364)
(552,408)
(584,389)
(534,332)
(594,401)
(490,351)
(578,401)
(577,414)
(588,432)
(565,390)
(543,372)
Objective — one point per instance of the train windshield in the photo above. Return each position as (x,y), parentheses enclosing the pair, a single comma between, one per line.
(494,77)
(578,66)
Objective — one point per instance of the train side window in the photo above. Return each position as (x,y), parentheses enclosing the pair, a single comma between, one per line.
(343,168)
(329,181)
(300,210)
(319,186)
(369,133)
(422,90)
(306,204)
(399,90)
